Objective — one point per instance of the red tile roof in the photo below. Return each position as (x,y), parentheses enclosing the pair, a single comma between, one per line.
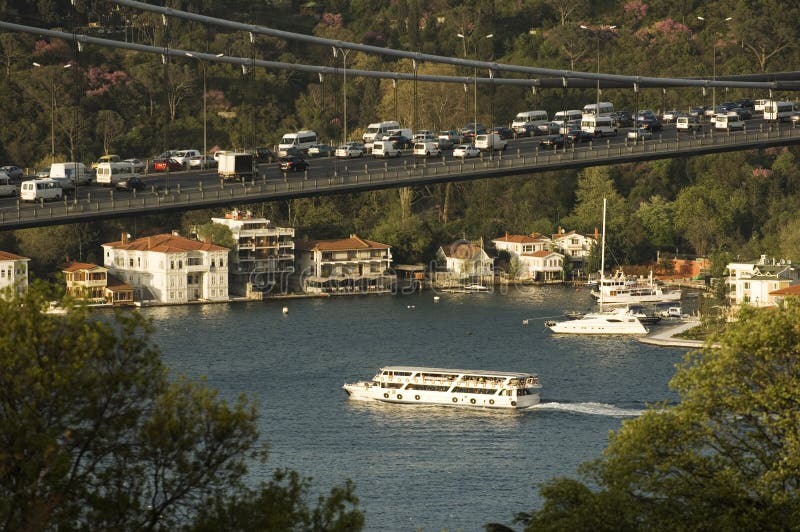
(115,285)
(793,290)
(462,249)
(344,244)
(75,266)
(522,239)
(540,253)
(165,243)
(5,255)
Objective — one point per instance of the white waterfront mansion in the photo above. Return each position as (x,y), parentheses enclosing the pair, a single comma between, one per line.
(13,272)
(263,257)
(169,268)
(751,282)
(532,256)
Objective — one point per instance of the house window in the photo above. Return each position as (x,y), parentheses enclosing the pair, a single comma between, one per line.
(180,264)
(139,261)
(212,263)
(221,263)
(172,265)
(130,263)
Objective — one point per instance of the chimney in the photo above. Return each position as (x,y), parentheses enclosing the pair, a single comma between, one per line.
(175,232)
(124,237)
(148,242)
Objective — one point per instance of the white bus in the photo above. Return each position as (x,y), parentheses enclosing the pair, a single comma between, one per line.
(527,119)
(45,189)
(598,126)
(301,140)
(377,130)
(562,117)
(598,109)
(778,111)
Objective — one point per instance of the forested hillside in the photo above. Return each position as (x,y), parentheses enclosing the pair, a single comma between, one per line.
(740,204)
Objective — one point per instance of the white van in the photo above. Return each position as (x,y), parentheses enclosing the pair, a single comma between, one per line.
(598,126)
(377,130)
(427,149)
(7,187)
(183,156)
(688,123)
(562,117)
(729,122)
(385,149)
(490,141)
(75,171)
(598,109)
(44,189)
(527,119)
(109,174)
(302,140)
(778,111)
(759,105)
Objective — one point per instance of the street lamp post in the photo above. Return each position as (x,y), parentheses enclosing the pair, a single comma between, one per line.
(52,111)
(596,32)
(714,62)
(205,109)
(343,52)
(475,78)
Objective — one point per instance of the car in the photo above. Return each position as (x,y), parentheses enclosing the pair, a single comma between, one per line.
(504,132)
(14,172)
(743,112)
(553,141)
(402,142)
(321,150)
(164,165)
(622,119)
(795,118)
(452,135)
(261,155)
(203,161)
(469,130)
(549,128)
(527,130)
(107,158)
(466,151)
(136,165)
(641,133)
(697,112)
(133,182)
(43,173)
(747,103)
(349,150)
(577,135)
(649,123)
(563,129)
(426,149)
(293,163)
(671,116)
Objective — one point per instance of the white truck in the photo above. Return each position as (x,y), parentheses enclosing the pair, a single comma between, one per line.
(236,165)
(73,170)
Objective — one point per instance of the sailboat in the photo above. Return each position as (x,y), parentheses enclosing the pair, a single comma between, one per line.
(616,321)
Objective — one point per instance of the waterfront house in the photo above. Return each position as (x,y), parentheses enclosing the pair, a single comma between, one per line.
(169,268)
(344,266)
(463,262)
(532,257)
(754,282)
(92,283)
(575,247)
(13,272)
(263,257)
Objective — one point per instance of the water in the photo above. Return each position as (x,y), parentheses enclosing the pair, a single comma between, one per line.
(417,467)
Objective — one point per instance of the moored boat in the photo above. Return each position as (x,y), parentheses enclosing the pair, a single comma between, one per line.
(448,387)
(616,321)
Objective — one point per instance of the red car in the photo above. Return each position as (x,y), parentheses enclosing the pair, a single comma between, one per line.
(161,165)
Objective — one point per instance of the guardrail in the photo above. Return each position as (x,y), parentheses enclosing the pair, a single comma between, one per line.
(353,179)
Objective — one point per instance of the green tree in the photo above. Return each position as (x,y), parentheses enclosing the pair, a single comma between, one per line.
(218,234)
(94,435)
(724,458)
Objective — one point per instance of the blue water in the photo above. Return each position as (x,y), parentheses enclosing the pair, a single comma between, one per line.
(416,467)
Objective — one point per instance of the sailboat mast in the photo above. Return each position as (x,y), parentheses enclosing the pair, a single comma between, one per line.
(602,256)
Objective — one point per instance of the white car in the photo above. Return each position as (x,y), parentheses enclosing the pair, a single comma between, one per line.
(466,151)
(137,165)
(641,133)
(349,150)
(197,161)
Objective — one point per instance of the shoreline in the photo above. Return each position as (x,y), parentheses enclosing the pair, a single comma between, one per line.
(666,337)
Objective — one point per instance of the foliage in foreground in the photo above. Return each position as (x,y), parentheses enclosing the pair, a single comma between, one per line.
(727,457)
(95,436)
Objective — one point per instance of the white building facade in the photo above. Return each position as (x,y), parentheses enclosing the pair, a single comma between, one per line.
(13,272)
(169,268)
(263,258)
(751,282)
(575,247)
(463,262)
(532,257)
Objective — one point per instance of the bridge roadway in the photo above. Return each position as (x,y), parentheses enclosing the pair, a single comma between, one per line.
(203,189)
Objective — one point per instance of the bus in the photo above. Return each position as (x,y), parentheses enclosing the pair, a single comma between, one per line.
(778,111)
(599,109)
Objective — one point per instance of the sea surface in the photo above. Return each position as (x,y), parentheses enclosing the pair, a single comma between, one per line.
(419,468)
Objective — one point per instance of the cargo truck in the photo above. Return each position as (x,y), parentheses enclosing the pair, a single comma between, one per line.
(236,165)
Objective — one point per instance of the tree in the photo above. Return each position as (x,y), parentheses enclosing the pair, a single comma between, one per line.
(110,128)
(94,434)
(724,458)
(218,234)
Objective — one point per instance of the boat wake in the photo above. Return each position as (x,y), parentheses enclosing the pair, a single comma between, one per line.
(597,409)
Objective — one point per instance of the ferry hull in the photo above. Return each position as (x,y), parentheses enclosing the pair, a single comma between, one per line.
(363,392)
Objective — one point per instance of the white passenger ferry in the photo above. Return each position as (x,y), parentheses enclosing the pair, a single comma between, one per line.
(451,387)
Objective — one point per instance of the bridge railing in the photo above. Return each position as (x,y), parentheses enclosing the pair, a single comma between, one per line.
(348,178)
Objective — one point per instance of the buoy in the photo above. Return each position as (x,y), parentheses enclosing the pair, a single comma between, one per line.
(435,299)
(286,310)
(524,322)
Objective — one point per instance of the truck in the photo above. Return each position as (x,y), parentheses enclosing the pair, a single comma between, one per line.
(77,172)
(235,165)
(490,142)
